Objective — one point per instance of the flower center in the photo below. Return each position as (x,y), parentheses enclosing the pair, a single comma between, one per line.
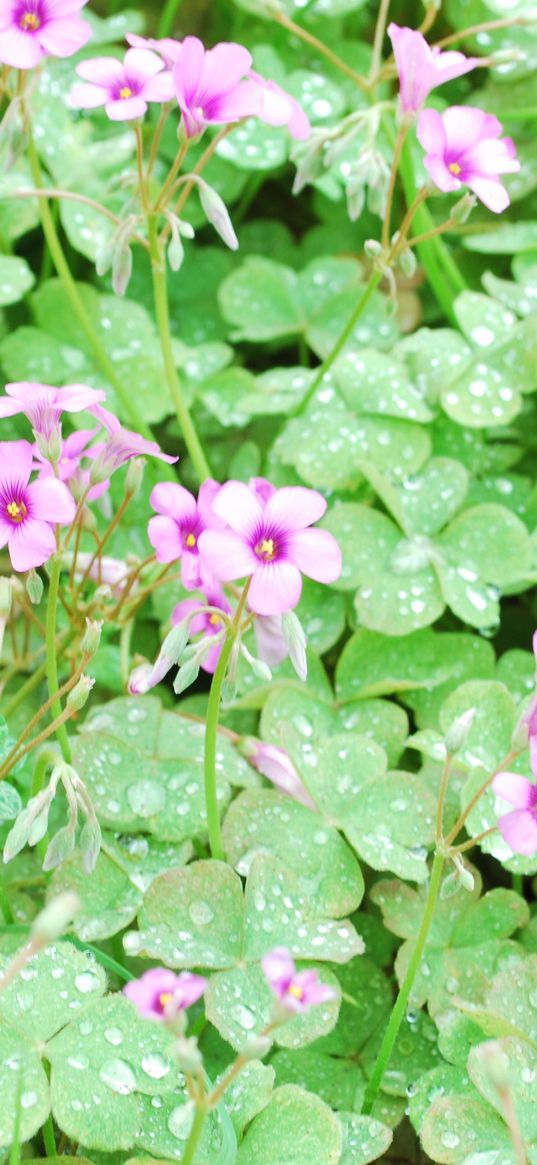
(125,92)
(266,549)
(455,169)
(29,22)
(165,998)
(17,512)
(190,540)
(215,620)
(296,991)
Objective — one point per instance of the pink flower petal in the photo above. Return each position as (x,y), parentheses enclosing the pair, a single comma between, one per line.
(316,553)
(225,65)
(104,71)
(519,830)
(188,70)
(51,501)
(226,554)
(441,175)
(239,507)
(159,88)
(275,587)
(492,194)
(464,125)
(165,538)
(206,495)
(65,36)
(31,544)
(16,459)
(56,8)
(515,789)
(19,49)
(84,95)
(142,64)
(175,501)
(294,507)
(126,109)
(278,966)
(431,133)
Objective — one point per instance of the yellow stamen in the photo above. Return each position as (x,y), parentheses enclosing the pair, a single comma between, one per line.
(454,168)
(215,620)
(29,21)
(266,549)
(17,511)
(125,92)
(165,998)
(190,539)
(296,991)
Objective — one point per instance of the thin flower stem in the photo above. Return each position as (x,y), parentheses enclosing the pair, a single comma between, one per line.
(461,849)
(153,152)
(160,293)
(52,663)
(399,143)
(194,1136)
(102,541)
(14,755)
(403,997)
(5,907)
(140,167)
(71,195)
(211,731)
(487,26)
(321,48)
(417,240)
(174,170)
(442,797)
(200,166)
(407,221)
(329,360)
(102,360)
(380,29)
(460,823)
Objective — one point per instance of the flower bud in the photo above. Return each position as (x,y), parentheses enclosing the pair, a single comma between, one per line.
(134,477)
(91,637)
(217,214)
(89,845)
(60,848)
(53,921)
(457,733)
(373,249)
(79,694)
(521,734)
(186,676)
(408,263)
(50,445)
(495,1064)
(257,1047)
(188,1055)
(261,670)
(34,588)
(295,639)
(121,269)
(462,210)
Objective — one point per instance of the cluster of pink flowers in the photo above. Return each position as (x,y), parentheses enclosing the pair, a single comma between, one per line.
(31,510)
(519,826)
(463,145)
(161,995)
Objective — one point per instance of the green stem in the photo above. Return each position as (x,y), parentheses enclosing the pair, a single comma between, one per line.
(167,19)
(52,665)
(211,732)
(191,1146)
(49,1139)
(401,1002)
(5,906)
(46,760)
(102,360)
(160,292)
(329,360)
(441,270)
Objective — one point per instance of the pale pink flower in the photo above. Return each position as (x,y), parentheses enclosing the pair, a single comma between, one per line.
(519,827)
(422,68)
(277,766)
(294,990)
(262,488)
(123,87)
(276,107)
(113,572)
(43,404)
(166,47)
(33,29)
(207,623)
(29,512)
(121,445)
(271,545)
(174,534)
(464,148)
(160,994)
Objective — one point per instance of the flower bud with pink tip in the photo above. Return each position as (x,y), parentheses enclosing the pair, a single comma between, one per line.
(276,765)
(296,991)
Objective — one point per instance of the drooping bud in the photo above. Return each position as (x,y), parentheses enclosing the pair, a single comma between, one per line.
(457,733)
(134,477)
(261,670)
(78,696)
(34,587)
(462,210)
(296,641)
(53,921)
(217,214)
(92,636)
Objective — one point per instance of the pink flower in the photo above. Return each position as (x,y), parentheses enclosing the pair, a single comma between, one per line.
(206,623)
(160,994)
(276,107)
(32,29)
(464,148)
(295,990)
(210,86)
(124,88)
(43,404)
(277,766)
(519,827)
(422,68)
(166,47)
(174,533)
(120,446)
(271,544)
(262,488)
(113,572)
(28,512)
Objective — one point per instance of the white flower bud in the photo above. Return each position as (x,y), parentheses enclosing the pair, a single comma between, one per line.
(53,921)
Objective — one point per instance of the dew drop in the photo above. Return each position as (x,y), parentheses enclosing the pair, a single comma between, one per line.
(118,1076)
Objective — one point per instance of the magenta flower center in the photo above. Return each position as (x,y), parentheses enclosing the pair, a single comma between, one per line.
(127,87)
(190,541)
(266,549)
(125,92)
(29,16)
(454,168)
(16,511)
(296,990)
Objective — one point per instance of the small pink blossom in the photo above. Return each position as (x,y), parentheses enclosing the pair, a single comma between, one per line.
(43,404)
(166,47)
(160,994)
(121,445)
(174,534)
(123,87)
(207,623)
(112,572)
(276,107)
(464,148)
(519,827)
(277,766)
(422,68)
(33,29)
(271,545)
(295,990)
(29,512)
